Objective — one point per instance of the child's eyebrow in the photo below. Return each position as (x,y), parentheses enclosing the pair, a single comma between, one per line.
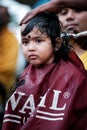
(23,38)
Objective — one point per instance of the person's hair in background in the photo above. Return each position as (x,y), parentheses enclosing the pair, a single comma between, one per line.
(4,16)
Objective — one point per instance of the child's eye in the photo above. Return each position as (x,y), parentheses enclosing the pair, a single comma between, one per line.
(25,42)
(39,40)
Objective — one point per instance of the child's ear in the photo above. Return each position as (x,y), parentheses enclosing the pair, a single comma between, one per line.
(58,43)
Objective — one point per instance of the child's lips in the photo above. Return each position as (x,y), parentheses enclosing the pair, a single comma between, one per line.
(33,56)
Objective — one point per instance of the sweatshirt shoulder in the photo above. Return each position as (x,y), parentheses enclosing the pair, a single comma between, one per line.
(74,70)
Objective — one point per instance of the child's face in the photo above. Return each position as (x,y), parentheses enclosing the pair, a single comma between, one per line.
(37,48)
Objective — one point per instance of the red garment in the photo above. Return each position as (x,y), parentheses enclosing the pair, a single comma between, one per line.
(53,97)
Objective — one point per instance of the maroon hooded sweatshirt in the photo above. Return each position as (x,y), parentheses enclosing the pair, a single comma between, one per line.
(51,97)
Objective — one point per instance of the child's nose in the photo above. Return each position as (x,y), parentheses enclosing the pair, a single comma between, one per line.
(31,46)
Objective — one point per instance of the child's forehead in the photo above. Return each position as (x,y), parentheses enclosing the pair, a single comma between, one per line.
(35,31)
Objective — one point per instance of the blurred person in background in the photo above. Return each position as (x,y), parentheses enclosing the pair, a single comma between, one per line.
(75,21)
(8,51)
(8,58)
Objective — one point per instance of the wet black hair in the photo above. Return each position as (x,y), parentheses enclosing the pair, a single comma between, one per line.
(48,22)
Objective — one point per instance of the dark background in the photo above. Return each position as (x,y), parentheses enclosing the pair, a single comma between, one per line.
(33,3)
(28,2)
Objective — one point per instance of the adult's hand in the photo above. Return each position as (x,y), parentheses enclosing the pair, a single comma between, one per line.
(52,6)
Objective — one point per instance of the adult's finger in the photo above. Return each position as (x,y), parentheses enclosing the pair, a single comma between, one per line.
(25,18)
(29,15)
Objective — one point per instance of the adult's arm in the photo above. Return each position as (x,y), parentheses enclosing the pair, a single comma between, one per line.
(55,6)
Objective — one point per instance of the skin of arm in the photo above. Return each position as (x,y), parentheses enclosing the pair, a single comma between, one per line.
(55,6)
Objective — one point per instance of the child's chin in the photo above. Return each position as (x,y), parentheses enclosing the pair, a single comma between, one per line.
(38,65)
(34,64)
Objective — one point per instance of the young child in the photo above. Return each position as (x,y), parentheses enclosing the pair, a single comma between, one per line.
(52,90)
